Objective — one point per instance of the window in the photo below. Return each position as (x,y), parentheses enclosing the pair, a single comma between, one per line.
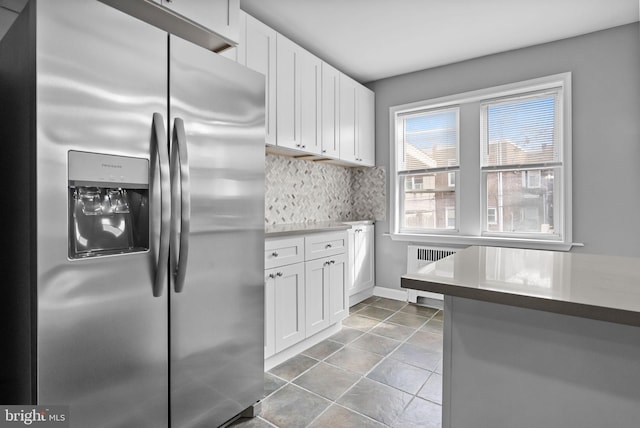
(427,153)
(517,160)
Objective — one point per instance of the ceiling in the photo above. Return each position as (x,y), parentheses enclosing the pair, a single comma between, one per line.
(374,39)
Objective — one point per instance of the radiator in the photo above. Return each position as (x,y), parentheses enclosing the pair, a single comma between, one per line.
(417,257)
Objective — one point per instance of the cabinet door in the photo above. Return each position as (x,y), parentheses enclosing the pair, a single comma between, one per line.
(330,111)
(364,257)
(317,296)
(310,75)
(287,93)
(237,53)
(366,126)
(289,305)
(260,55)
(220,16)
(298,76)
(348,117)
(351,255)
(338,277)
(269,313)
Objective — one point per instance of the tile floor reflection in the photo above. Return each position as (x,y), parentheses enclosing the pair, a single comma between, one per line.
(383,369)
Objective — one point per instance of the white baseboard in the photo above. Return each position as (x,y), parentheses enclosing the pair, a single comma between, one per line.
(359,297)
(406,295)
(390,293)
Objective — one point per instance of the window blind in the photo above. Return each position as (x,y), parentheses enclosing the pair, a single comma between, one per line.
(430,141)
(522,130)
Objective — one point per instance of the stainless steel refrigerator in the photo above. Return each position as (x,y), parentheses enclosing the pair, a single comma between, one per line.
(133,221)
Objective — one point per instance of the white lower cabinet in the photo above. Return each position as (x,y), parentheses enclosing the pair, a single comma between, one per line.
(327,301)
(361,258)
(338,278)
(305,297)
(317,295)
(287,304)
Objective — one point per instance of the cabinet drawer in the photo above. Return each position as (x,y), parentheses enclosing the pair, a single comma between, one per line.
(283,251)
(325,244)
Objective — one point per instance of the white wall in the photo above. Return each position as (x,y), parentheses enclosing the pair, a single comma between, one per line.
(606,131)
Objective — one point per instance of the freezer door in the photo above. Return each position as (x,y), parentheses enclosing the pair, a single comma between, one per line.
(102,343)
(217,315)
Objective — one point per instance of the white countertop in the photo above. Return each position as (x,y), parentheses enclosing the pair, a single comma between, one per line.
(587,285)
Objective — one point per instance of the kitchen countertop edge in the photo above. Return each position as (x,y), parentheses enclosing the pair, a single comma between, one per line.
(582,310)
(272,231)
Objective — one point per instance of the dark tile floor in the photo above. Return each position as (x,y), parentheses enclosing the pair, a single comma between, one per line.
(383,369)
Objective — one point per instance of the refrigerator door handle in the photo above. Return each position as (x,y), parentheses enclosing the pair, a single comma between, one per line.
(159,139)
(181,220)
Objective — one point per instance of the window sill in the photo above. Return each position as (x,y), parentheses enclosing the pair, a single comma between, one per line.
(491,241)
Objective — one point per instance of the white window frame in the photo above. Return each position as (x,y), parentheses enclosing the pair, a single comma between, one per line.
(471,213)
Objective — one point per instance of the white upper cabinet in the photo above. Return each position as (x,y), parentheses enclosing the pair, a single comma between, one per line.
(259,52)
(310,76)
(357,143)
(297,97)
(330,109)
(220,16)
(237,53)
(348,116)
(312,108)
(366,126)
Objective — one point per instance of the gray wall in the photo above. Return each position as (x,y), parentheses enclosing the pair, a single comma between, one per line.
(605,70)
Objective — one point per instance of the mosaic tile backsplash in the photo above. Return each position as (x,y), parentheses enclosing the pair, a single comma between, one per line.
(298,191)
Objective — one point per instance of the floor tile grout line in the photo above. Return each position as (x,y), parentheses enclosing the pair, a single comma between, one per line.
(332,402)
(336,400)
(405,341)
(427,319)
(388,355)
(364,376)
